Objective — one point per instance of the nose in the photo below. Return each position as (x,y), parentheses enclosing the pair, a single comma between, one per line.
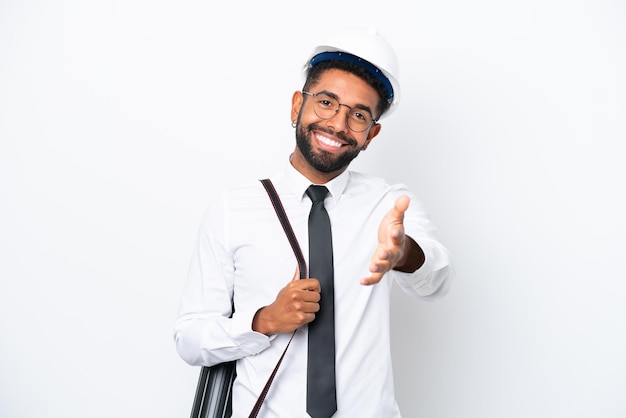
(339,121)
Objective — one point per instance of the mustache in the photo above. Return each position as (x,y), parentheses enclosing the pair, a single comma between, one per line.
(341,135)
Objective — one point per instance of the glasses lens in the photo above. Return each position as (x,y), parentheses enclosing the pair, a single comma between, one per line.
(326,107)
(359,120)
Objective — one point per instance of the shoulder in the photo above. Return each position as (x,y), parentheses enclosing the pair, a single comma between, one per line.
(238,194)
(236,200)
(362,183)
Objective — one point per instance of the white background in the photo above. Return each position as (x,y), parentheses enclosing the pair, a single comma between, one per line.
(119,118)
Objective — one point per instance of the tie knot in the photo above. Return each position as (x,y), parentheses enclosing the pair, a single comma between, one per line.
(317,193)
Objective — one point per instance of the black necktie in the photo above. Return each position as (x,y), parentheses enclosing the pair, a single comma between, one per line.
(321,392)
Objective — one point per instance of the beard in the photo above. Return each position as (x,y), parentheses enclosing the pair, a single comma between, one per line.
(324,161)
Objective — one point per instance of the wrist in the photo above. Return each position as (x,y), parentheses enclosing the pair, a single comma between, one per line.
(258,324)
(413,257)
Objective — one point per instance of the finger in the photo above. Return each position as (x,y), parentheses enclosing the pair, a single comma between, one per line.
(380,266)
(372,279)
(310,284)
(311,298)
(381,255)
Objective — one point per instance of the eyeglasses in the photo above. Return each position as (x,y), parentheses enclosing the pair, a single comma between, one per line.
(326,106)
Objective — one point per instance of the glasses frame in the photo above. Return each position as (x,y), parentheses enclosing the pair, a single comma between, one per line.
(372,123)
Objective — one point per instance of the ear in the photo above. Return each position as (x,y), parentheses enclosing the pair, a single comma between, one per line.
(296,105)
(374,130)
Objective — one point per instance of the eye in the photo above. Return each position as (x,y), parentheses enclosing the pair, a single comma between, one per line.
(326,102)
(361,117)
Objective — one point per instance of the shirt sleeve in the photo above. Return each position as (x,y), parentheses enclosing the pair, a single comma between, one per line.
(205,331)
(432,279)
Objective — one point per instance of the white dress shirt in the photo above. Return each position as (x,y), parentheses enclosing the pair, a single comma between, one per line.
(243,255)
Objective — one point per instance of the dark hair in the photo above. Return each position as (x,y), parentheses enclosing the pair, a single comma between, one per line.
(314,74)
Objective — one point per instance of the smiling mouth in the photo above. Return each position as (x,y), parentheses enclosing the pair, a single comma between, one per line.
(327,141)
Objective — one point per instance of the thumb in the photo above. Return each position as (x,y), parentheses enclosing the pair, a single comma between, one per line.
(401,205)
(296,275)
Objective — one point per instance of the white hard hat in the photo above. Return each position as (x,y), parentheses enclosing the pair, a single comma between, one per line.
(368,48)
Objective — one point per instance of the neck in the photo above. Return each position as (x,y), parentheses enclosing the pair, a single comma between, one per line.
(298,161)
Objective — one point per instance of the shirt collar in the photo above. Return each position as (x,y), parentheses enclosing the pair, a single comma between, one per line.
(299,183)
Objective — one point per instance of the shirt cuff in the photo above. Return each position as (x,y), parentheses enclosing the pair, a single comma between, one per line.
(432,279)
(248,340)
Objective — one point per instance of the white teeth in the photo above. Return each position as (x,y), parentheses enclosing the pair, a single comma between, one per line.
(328,141)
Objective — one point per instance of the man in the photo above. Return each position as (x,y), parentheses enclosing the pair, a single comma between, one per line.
(380,234)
